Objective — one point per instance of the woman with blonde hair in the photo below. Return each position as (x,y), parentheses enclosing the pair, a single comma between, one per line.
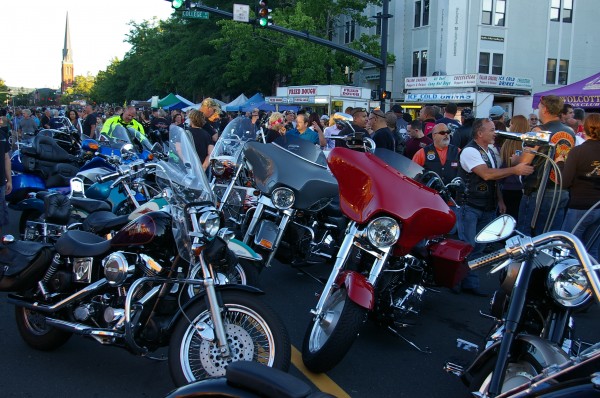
(202,139)
(581,173)
(512,188)
(275,126)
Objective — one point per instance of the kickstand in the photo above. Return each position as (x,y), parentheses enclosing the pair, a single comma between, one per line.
(320,280)
(425,350)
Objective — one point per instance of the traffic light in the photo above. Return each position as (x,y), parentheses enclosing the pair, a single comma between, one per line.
(385,95)
(374,95)
(178,4)
(264,14)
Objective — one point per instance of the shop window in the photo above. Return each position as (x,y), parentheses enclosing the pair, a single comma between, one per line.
(493,12)
(564,7)
(497,61)
(490,63)
(563,71)
(484,63)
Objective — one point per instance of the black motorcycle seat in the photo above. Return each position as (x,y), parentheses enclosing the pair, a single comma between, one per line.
(81,244)
(102,222)
(266,381)
(90,205)
(46,148)
(57,208)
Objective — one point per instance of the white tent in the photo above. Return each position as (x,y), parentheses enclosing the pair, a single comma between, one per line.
(235,105)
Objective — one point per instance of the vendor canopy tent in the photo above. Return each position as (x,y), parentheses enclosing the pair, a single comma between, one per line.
(582,94)
(174,101)
(236,104)
(252,102)
(265,106)
(197,106)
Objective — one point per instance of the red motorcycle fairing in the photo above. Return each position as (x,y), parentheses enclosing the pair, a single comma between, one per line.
(449,261)
(368,187)
(359,289)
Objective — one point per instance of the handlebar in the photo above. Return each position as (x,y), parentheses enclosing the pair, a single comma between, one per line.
(517,247)
(108,177)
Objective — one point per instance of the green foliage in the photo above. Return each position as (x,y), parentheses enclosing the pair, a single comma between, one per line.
(221,58)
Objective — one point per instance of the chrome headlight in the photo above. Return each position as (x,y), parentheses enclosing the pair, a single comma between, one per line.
(568,284)
(209,223)
(283,198)
(383,231)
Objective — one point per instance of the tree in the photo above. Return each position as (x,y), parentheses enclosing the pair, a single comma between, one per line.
(3,93)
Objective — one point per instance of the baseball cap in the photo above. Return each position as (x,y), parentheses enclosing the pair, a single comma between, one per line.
(467,113)
(496,111)
(325,117)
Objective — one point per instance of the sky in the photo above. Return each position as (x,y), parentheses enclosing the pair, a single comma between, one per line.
(36,29)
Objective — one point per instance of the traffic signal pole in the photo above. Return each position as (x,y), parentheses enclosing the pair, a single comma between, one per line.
(381,63)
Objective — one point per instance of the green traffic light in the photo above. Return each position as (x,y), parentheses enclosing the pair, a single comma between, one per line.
(263,21)
(177,3)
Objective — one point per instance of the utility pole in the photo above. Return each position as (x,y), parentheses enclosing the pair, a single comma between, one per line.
(384,43)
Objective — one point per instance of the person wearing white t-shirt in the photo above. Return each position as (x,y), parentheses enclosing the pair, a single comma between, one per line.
(480,170)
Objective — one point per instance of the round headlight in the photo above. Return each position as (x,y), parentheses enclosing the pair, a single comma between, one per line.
(283,198)
(383,231)
(218,167)
(210,223)
(567,283)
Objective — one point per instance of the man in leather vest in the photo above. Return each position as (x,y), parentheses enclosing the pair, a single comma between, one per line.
(480,169)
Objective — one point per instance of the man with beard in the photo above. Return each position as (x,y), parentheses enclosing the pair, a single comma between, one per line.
(441,156)
(382,135)
(563,138)
(211,110)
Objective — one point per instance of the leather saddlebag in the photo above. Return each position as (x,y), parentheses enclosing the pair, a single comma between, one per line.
(23,264)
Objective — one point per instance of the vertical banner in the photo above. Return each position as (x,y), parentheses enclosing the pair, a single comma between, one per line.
(456,35)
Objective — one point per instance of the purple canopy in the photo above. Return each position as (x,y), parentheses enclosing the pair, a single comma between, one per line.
(582,94)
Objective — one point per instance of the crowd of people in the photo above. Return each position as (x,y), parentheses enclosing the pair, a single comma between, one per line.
(500,175)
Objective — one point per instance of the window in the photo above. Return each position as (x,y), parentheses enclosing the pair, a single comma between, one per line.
(421,13)
(495,8)
(567,10)
(484,63)
(350,32)
(563,72)
(551,71)
(497,61)
(419,63)
(491,63)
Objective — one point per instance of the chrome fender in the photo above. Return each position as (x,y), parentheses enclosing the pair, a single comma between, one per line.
(544,352)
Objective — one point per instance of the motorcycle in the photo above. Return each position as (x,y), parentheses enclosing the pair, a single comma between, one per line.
(128,291)
(297,219)
(250,380)
(232,181)
(544,281)
(393,250)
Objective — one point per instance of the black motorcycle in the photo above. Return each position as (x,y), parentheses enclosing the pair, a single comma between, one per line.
(544,281)
(297,219)
(130,291)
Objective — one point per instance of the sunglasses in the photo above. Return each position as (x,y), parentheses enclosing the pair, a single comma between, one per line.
(444,132)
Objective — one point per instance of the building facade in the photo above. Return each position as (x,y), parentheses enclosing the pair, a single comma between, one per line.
(549,42)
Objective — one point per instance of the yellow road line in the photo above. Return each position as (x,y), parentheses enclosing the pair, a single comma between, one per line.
(320,380)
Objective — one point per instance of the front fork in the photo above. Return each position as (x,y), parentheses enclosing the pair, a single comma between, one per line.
(341,259)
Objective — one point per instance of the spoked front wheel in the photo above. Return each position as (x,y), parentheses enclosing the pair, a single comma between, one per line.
(243,273)
(331,335)
(254,333)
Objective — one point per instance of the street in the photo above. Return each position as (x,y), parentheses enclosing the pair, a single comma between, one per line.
(379,364)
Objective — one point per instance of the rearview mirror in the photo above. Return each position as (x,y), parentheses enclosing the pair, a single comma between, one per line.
(499,229)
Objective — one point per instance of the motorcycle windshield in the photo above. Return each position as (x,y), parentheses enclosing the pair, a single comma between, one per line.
(401,163)
(231,142)
(302,148)
(181,175)
(275,166)
(373,185)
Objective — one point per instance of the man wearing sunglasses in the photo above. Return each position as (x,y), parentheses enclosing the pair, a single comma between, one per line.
(441,156)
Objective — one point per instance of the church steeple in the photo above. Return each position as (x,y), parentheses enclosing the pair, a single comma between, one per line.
(67,62)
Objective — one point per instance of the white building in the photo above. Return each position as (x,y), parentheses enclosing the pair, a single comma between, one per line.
(549,42)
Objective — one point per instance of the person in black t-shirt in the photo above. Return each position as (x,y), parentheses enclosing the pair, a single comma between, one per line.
(202,138)
(89,124)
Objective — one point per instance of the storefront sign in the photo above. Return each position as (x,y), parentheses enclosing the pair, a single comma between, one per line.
(441,81)
(292,91)
(504,81)
(303,100)
(440,97)
(582,101)
(276,100)
(351,92)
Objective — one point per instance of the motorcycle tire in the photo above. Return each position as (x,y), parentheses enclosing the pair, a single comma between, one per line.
(517,373)
(328,339)
(254,333)
(36,333)
(244,273)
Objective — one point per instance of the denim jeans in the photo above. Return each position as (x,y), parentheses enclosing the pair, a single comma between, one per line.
(586,230)
(471,221)
(527,208)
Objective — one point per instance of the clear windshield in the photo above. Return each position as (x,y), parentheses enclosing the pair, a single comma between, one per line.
(121,135)
(231,142)
(181,174)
